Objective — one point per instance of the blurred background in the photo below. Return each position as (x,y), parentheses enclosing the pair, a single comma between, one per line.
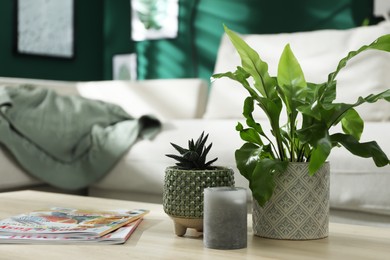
(102,34)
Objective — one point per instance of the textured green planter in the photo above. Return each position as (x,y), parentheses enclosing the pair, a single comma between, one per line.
(299,207)
(183,194)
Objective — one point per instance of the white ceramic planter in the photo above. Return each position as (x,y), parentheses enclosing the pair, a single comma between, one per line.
(299,207)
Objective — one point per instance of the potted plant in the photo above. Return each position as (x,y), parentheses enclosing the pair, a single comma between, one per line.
(184,184)
(287,170)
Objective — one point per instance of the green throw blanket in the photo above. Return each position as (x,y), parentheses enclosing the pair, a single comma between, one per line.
(67,141)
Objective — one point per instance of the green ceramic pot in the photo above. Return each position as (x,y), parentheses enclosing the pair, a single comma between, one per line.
(183,194)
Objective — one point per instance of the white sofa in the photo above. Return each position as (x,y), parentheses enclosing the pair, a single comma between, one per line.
(137,98)
(359,190)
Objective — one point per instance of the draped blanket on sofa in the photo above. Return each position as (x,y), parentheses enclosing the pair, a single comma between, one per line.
(67,141)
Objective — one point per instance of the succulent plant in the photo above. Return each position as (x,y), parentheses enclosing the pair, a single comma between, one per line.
(195,156)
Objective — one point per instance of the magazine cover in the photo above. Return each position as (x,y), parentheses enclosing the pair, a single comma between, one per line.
(68,222)
(119,236)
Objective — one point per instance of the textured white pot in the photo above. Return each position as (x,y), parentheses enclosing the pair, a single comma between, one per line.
(299,207)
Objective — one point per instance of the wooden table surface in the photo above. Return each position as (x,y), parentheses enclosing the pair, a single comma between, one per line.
(154,238)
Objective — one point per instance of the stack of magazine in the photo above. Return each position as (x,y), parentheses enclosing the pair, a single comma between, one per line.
(70,226)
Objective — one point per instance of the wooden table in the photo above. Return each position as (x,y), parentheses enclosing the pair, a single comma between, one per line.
(154,238)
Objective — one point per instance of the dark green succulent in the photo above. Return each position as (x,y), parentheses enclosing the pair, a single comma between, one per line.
(195,156)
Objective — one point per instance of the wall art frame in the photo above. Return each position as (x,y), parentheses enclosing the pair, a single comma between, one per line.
(45,28)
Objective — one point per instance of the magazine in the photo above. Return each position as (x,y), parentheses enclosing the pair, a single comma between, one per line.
(68,222)
(118,236)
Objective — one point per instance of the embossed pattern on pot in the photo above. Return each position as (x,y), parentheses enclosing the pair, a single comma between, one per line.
(183,189)
(299,207)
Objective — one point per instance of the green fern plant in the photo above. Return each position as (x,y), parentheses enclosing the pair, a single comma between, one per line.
(194,157)
(263,156)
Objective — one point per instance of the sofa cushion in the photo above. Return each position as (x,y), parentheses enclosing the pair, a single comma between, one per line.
(142,168)
(152,96)
(318,53)
(356,183)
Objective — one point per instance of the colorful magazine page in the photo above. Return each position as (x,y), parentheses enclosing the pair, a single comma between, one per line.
(119,236)
(68,222)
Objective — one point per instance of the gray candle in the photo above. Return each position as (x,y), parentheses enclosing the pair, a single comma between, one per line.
(225,218)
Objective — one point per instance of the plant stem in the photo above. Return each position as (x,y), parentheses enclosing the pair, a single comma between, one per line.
(292,138)
(279,142)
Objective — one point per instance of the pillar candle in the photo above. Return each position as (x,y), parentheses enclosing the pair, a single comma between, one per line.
(225,218)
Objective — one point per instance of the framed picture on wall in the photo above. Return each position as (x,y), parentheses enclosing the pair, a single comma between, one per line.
(154,19)
(45,28)
(124,66)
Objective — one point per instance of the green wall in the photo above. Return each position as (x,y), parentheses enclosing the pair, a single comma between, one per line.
(116,30)
(193,52)
(102,29)
(88,61)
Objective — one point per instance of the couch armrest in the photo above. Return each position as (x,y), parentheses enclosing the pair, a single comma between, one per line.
(164,98)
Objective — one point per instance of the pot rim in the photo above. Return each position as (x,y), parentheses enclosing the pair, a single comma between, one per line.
(326,162)
(215,168)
